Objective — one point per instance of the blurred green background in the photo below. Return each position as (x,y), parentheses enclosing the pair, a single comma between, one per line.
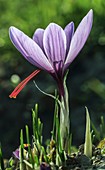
(86,79)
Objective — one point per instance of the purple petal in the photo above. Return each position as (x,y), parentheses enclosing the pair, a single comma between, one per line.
(29,49)
(38,37)
(80,36)
(16,153)
(58,66)
(54,41)
(69,31)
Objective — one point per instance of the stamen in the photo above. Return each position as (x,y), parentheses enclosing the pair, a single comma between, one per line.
(17,90)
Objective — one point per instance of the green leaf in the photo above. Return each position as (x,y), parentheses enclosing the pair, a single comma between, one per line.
(88,140)
(29,148)
(21,150)
(1,160)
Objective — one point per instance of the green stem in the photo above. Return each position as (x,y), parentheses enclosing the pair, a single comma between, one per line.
(64,118)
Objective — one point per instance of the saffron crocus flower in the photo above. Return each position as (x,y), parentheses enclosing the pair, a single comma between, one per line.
(53,49)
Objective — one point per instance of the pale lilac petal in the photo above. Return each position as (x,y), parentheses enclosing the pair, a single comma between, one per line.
(38,37)
(29,49)
(54,41)
(80,36)
(69,31)
(16,153)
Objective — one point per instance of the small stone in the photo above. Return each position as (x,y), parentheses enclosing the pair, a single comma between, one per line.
(77,168)
(84,161)
(45,166)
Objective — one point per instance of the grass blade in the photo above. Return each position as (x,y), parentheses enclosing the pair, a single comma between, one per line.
(21,150)
(29,148)
(1,160)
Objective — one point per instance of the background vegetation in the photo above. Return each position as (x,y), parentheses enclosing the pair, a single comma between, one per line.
(86,80)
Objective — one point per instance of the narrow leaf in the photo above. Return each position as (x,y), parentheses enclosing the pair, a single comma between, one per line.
(88,140)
